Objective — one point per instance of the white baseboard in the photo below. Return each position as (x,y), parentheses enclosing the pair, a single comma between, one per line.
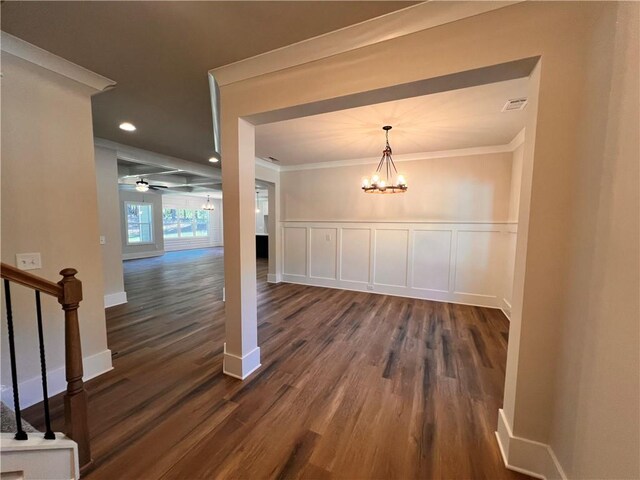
(527,456)
(274,278)
(241,367)
(31,390)
(461,298)
(135,256)
(113,299)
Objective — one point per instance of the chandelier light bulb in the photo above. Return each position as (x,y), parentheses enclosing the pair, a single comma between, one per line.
(401,180)
(365,182)
(375,178)
(382,184)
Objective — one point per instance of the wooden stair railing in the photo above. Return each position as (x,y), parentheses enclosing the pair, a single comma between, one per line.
(68,291)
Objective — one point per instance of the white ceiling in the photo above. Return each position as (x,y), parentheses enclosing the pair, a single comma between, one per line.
(452,120)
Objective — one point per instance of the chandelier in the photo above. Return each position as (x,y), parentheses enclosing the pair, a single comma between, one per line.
(376,184)
(208,206)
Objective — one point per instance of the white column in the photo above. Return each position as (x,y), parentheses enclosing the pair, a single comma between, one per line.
(275,270)
(241,351)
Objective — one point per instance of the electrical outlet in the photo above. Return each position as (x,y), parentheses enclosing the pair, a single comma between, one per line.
(103,240)
(28,261)
(369,287)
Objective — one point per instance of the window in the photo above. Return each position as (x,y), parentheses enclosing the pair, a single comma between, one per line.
(139,223)
(185,223)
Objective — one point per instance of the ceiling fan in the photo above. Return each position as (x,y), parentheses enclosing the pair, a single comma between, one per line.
(143,186)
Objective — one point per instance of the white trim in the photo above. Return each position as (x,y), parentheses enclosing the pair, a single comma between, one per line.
(47,60)
(396,24)
(517,140)
(274,278)
(146,157)
(113,299)
(241,367)
(137,255)
(426,222)
(261,162)
(31,389)
(526,456)
(409,157)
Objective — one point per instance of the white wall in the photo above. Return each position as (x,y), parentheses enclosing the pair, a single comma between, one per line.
(154,249)
(596,421)
(512,228)
(110,226)
(215,222)
(455,189)
(49,205)
(445,239)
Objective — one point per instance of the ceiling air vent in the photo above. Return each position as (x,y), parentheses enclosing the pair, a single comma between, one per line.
(272,159)
(515,104)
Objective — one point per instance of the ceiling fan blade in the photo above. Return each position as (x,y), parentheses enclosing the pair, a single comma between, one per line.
(157,187)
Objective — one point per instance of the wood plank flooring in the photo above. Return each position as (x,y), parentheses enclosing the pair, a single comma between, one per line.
(352,385)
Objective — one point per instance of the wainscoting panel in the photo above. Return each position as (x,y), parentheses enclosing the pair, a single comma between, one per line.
(431,259)
(355,255)
(324,255)
(478,263)
(391,253)
(452,262)
(295,244)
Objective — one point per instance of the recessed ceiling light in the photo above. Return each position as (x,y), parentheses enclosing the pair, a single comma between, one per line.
(214,160)
(127,127)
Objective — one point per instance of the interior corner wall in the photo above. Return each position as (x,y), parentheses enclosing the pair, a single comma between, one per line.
(110,225)
(596,428)
(49,205)
(511,238)
(130,252)
(516,182)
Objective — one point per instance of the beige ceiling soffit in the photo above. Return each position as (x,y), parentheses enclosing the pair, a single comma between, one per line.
(47,60)
(386,27)
(462,152)
(145,157)
(517,140)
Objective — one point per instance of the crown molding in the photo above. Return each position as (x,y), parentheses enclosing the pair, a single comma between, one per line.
(47,60)
(461,152)
(517,140)
(396,24)
(265,164)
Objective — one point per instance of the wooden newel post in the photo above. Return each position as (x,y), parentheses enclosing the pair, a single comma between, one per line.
(75,400)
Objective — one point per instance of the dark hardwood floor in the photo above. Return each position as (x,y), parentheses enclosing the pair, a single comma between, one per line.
(352,385)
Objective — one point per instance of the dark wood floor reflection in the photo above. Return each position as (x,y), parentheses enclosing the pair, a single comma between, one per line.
(352,385)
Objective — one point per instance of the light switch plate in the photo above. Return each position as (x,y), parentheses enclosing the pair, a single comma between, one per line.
(28,261)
